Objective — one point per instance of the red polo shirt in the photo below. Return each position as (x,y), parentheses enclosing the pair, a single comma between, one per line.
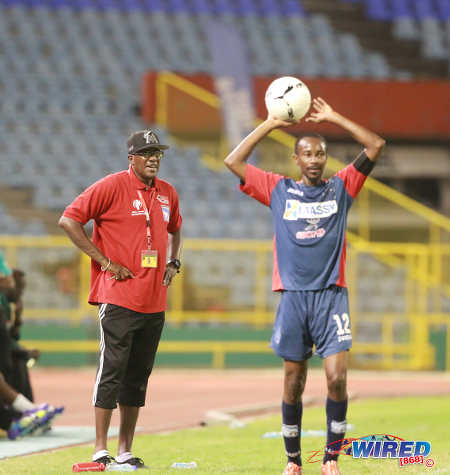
(120,232)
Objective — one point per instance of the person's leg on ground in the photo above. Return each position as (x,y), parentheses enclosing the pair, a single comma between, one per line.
(291,340)
(294,384)
(102,421)
(336,408)
(146,335)
(128,420)
(115,345)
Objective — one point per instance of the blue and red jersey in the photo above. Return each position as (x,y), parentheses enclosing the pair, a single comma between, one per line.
(309,225)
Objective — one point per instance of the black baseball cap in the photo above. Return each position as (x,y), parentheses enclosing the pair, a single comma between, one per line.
(144,140)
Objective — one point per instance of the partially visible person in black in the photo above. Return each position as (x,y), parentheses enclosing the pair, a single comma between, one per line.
(7,290)
(18,414)
(19,377)
(14,357)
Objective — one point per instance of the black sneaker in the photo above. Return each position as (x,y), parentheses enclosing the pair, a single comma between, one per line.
(137,462)
(105,460)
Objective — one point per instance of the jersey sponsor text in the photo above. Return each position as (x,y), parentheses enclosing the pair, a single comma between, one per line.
(295,209)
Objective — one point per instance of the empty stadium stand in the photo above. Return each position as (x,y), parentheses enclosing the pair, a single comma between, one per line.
(70,85)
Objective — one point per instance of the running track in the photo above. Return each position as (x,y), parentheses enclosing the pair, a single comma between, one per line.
(180,398)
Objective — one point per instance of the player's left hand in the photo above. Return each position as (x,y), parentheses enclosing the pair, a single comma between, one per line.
(322,111)
(169,274)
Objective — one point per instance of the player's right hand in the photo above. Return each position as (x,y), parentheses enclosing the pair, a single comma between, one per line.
(277,123)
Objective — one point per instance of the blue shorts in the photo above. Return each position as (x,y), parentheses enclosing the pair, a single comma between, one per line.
(312,317)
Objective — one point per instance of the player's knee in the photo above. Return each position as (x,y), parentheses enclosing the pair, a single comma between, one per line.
(337,384)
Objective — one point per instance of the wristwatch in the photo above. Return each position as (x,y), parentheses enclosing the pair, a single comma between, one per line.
(176,263)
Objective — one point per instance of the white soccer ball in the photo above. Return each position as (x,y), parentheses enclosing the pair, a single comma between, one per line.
(288,98)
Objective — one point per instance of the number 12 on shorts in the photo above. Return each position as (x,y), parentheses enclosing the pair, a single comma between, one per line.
(343,324)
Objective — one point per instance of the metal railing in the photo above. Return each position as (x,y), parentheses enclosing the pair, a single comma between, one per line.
(196,297)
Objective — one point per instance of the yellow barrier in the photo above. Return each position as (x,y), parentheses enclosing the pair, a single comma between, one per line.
(219,350)
(421,282)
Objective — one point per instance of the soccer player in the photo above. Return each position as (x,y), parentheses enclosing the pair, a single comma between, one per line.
(310,219)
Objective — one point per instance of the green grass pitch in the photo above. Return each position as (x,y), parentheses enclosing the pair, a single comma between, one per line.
(223,450)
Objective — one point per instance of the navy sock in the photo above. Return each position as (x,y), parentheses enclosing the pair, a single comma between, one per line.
(291,430)
(336,426)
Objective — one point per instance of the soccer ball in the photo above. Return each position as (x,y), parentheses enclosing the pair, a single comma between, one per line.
(288,98)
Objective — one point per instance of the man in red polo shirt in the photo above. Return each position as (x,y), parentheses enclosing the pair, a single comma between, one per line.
(134,253)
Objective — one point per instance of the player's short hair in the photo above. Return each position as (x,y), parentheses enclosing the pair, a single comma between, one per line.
(307,135)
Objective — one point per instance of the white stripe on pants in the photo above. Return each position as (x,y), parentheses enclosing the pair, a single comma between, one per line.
(101,314)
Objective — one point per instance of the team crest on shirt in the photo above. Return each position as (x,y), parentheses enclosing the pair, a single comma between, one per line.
(137,205)
(166,213)
(312,230)
(313,224)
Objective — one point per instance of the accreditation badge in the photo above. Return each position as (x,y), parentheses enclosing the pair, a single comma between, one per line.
(149,258)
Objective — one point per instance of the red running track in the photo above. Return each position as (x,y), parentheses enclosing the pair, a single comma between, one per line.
(180,398)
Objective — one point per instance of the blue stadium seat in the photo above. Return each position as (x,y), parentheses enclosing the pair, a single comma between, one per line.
(81,4)
(401,9)
(270,7)
(443,9)
(203,6)
(292,7)
(155,5)
(424,9)
(59,3)
(378,10)
(224,7)
(247,7)
(177,6)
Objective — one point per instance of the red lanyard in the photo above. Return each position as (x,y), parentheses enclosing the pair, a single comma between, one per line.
(147,214)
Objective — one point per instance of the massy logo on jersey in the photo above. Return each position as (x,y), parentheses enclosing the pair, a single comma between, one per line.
(312,213)
(295,210)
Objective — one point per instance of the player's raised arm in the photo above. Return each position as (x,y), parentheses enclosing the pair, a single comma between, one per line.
(236,160)
(372,142)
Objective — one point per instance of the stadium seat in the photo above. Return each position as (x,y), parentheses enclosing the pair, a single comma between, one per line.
(292,7)
(82,88)
(433,39)
(424,9)
(405,28)
(443,9)
(378,9)
(401,9)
